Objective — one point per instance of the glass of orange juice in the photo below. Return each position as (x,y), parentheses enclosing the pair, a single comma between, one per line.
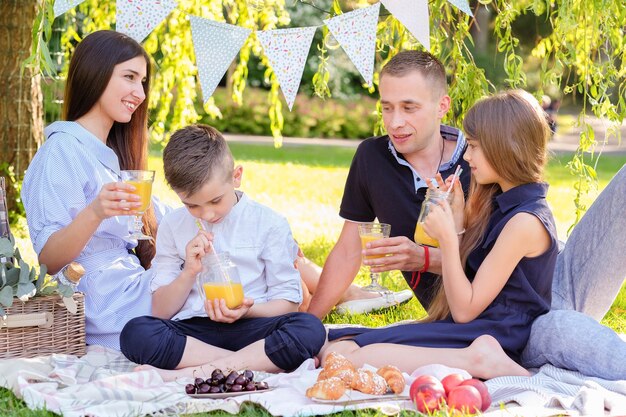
(369,232)
(433,196)
(219,279)
(142,181)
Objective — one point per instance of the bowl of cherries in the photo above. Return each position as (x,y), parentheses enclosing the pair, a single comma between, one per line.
(219,385)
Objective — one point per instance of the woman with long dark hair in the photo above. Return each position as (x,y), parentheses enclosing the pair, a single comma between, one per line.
(76,205)
(498,257)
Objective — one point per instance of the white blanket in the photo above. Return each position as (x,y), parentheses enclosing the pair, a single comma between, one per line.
(102,383)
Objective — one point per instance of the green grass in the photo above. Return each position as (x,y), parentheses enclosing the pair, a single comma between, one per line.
(305,183)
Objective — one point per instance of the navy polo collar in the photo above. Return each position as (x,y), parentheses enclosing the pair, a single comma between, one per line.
(519,194)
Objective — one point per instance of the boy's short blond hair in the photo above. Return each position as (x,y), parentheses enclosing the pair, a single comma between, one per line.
(194,156)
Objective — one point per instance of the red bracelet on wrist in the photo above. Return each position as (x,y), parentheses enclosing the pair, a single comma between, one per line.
(417,275)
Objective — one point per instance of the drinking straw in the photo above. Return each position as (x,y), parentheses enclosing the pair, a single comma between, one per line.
(201,227)
(457,173)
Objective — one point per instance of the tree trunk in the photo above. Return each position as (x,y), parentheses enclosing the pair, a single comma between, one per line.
(21,103)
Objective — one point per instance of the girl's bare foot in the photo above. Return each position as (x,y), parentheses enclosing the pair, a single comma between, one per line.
(491,361)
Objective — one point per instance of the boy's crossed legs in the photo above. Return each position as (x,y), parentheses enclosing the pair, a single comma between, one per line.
(181,348)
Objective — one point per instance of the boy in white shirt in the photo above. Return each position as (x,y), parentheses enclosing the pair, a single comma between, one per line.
(186,331)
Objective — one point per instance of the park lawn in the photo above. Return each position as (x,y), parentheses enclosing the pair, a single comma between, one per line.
(305,183)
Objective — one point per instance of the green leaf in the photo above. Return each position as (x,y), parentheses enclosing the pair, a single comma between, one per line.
(24,273)
(65,290)
(6,296)
(13,276)
(2,312)
(43,270)
(6,248)
(25,291)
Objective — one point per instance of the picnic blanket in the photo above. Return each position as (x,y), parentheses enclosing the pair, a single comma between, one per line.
(102,383)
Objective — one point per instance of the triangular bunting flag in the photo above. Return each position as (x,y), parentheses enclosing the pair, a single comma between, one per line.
(462,5)
(137,18)
(62,6)
(356,33)
(287,50)
(216,44)
(413,14)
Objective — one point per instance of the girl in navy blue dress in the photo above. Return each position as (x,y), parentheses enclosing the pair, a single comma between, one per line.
(498,254)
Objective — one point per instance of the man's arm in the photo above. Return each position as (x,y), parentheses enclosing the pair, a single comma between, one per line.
(406,255)
(339,270)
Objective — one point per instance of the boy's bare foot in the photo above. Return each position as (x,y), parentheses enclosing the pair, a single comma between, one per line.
(491,361)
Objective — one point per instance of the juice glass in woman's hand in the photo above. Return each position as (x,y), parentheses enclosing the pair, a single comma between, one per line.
(142,181)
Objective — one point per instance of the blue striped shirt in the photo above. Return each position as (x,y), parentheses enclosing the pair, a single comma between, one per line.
(64,177)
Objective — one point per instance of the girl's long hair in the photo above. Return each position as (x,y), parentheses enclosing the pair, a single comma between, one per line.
(90,71)
(513,133)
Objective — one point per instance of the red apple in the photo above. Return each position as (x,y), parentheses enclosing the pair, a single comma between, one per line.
(465,398)
(482,389)
(452,381)
(427,397)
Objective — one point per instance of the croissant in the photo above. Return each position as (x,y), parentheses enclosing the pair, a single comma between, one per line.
(327,389)
(368,382)
(333,365)
(393,377)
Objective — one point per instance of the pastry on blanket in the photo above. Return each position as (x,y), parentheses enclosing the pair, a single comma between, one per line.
(327,389)
(393,377)
(347,376)
(334,364)
(368,382)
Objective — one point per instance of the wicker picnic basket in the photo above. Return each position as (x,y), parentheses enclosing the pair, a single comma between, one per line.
(42,326)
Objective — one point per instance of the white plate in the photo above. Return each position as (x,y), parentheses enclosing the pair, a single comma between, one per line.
(219,395)
(362,398)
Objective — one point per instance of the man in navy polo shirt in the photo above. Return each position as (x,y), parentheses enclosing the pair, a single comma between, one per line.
(387,179)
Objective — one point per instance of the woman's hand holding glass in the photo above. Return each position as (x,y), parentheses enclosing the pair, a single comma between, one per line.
(115,199)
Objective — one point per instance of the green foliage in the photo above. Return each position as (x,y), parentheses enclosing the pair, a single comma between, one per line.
(17,278)
(309,118)
(13,181)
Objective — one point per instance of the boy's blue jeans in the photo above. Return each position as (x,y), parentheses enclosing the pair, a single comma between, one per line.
(589,274)
(290,339)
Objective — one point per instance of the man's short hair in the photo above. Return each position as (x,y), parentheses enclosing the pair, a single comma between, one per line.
(421,61)
(194,156)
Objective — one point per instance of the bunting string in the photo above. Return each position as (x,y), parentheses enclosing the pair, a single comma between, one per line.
(216,44)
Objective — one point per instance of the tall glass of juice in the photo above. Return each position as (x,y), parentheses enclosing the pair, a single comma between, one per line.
(370,232)
(142,181)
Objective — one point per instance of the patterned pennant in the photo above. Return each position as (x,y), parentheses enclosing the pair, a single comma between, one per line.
(62,6)
(413,14)
(137,18)
(287,50)
(216,44)
(356,33)
(462,5)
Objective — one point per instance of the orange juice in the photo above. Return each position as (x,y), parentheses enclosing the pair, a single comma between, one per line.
(143,189)
(365,239)
(232,293)
(422,238)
